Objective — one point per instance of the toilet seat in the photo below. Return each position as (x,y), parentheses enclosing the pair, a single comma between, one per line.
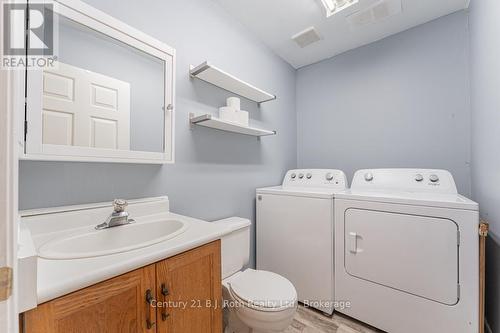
(263,291)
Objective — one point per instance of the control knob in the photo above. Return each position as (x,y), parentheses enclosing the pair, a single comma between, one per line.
(329,176)
(434,178)
(419,177)
(368,176)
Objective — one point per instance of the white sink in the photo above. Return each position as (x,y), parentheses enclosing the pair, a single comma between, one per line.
(87,242)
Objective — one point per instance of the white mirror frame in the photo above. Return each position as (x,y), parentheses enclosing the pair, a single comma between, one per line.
(88,16)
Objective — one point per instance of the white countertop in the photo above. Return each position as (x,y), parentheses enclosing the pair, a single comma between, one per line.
(55,278)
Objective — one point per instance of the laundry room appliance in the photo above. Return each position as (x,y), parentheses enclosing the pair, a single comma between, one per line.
(406,252)
(295,232)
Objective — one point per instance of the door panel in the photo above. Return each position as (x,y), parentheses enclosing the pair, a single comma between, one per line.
(104,97)
(57,127)
(411,253)
(103,133)
(109,103)
(58,107)
(295,240)
(58,86)
(190,285)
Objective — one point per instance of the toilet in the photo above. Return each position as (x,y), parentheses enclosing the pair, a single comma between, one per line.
(254,301)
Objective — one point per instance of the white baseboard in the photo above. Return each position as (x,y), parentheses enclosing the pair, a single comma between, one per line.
(487,327)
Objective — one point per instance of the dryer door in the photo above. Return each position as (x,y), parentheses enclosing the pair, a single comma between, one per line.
(410,253)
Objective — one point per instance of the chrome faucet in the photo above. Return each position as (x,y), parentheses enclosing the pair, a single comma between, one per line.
(118,217)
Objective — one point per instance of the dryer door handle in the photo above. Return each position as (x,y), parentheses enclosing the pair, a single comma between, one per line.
(352,242)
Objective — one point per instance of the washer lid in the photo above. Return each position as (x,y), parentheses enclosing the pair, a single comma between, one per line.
(312,183)
(454,201)
(264,289)
(423,187)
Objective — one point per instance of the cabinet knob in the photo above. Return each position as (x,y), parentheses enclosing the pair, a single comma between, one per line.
(150,324)
(165,293)
(164,290)
(149,297)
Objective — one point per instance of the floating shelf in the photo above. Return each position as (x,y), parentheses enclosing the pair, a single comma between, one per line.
(207,120)
(221,79)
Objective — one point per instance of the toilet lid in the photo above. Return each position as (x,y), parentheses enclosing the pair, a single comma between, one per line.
(264,289)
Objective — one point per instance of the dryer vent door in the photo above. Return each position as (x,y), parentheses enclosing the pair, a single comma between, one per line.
(414,254)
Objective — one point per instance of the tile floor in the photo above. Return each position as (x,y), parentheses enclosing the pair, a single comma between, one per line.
(310,321)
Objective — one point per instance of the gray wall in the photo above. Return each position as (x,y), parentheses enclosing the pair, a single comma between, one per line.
(485,83)
(399,102)
(216,173)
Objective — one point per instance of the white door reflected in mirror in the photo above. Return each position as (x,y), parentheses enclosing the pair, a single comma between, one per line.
(83,108)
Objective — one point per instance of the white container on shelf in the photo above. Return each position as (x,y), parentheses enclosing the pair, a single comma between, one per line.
(242,117)
(232,112)
(227,113)
(234,102)
(239,117)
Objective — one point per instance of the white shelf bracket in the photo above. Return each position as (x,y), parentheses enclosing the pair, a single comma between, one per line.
(191,125)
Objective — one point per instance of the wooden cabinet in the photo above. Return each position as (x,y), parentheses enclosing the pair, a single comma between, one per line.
(116,305)
(190,285)
(180,294)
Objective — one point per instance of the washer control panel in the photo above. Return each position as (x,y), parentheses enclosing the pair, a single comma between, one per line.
(321,178)
(410,180)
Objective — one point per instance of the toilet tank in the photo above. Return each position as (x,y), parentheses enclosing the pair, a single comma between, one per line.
(235,249)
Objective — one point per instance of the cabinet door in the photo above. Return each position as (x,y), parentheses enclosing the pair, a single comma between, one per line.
(116,305)
(189,287)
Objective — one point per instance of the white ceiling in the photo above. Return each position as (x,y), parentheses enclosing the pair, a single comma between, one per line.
(276,21)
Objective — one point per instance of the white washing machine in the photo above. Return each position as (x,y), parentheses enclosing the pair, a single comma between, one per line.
(295,232)
(407,252)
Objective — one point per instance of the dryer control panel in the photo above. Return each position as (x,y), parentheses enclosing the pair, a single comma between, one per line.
(407,180)
(320,178)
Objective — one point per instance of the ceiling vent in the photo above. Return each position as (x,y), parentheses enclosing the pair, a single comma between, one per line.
(306,37)
(379,11)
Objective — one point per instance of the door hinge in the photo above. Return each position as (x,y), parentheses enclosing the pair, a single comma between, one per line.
(25,130)
(5,283)
(483,229)
(25,118)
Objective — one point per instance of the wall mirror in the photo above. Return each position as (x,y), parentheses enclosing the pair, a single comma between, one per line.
(109,97)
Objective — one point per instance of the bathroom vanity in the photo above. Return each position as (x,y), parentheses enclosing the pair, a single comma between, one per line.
(116,280)
(178,294)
